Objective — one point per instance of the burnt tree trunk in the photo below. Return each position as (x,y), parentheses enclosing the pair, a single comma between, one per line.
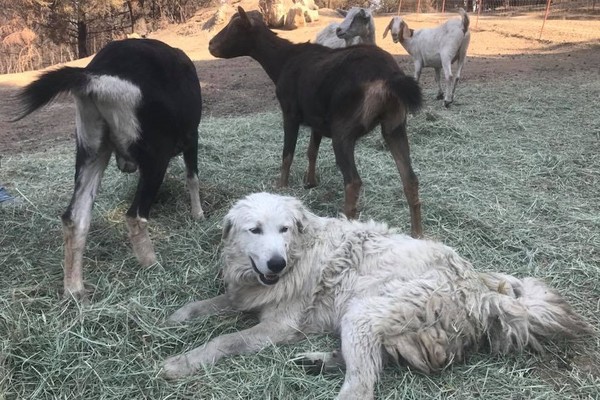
(82,36)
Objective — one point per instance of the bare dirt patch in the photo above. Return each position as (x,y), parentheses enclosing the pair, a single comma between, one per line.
(501,48)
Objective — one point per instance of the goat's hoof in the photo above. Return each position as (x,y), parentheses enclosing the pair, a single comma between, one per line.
(76,295)
(447,104)
(148,259)
(440,96)
(198,215)
(310,185)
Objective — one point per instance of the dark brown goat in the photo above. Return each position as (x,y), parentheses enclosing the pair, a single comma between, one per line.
(340,93)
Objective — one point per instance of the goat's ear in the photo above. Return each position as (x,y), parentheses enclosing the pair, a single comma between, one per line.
(387,28)
(244,16)
(406,32)
(227,225)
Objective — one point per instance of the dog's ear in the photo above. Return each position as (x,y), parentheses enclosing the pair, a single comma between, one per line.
(227,225)
(300,226)
(300,215)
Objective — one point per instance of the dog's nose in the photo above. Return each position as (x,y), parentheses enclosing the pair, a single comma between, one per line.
(276,264)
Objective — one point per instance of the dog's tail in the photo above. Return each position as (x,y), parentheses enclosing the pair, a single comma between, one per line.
(48,86)
(520,313)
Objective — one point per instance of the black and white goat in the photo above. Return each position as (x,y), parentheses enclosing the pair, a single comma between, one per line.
(357,27)
(437,47)
(140,99)
(340,93)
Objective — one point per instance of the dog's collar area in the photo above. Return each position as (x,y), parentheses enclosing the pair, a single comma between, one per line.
(266,279)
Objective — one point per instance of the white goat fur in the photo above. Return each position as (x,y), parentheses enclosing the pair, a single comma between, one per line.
(437,47)
(389,296)
(356,28)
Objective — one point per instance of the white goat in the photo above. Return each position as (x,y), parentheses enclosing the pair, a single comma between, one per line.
(437,47)
(357,27)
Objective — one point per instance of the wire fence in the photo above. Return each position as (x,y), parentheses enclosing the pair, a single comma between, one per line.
(566,8)
(542,9)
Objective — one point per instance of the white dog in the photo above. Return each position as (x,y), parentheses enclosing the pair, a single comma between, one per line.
(387,295)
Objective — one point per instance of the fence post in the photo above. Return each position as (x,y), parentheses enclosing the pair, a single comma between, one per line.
(443,6)
(545,17)
(418,6)
(480,2)
(399,7)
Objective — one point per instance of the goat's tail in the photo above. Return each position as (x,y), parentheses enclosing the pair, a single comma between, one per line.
(519,313)
(465,19)
(407,89)
(49,85)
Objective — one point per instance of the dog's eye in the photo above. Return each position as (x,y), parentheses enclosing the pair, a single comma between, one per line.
(284,229)
(256,231)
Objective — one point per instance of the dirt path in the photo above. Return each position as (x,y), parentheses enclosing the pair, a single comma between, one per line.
(500,48)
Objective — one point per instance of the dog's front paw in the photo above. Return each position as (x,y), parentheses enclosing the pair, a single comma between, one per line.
(177,367)
(178,317)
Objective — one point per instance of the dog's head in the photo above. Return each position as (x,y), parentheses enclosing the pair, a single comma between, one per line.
(259,231)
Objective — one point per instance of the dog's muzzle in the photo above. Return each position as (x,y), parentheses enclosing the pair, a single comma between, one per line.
(268,279)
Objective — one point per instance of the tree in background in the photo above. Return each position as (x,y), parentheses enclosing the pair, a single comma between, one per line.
(63,30)
(75,21)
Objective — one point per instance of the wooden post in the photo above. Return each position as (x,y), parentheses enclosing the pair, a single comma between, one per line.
(418,6)
(443,6)
(399,7)
(480,2)
(545,17)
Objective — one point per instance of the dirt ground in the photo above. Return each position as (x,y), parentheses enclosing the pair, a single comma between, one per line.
(501,48)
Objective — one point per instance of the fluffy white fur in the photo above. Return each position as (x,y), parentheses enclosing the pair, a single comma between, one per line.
(387,295)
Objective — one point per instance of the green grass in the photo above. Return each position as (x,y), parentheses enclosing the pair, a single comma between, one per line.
(510,176)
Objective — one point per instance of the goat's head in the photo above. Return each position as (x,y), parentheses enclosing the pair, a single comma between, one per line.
(238,37)
(399,28)
(356,23)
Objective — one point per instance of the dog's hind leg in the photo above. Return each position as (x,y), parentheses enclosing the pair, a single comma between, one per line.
(362,353)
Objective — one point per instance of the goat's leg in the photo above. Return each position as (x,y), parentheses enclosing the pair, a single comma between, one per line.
(394,133)
(440,94)
(449,80)
(90,166)
(461,63)
(462,58)
(190,158)
(343,147)
(152,173)
(418,69)
(313,150)
(290,137)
